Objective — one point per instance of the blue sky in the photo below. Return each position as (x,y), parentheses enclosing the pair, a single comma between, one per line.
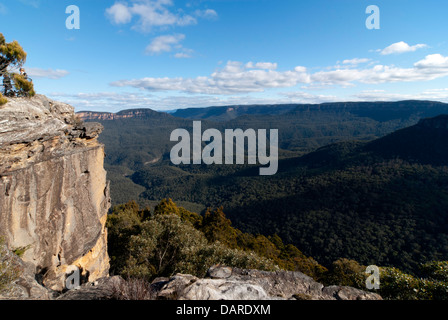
(169,54)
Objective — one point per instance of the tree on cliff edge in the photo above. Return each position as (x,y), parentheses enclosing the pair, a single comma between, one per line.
(12,56)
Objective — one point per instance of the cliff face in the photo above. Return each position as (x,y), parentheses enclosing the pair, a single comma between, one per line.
(125,114)
(54,195)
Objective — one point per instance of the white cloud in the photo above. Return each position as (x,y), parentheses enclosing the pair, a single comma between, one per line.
(238,78)
(182,55)
(46,73)
(306,97)
(104,101)
(381,95)
(401,47)
(430,68)
(232,79)
(115,101)
(154,13)
(165,43)
(356,61)
(207,14)
(433,61)
(119,13)
(262,65)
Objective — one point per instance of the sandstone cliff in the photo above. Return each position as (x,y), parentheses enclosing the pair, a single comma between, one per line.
(124,114)
(54,195)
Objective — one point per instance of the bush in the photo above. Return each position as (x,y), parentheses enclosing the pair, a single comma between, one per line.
(398,285)
(122,224)
(25,87)
(9,271)
(3,100)
(436,270)
(161,248)
(167,245)
(167,206)
(145,246)
(346,272)
(216,253)
(216,227)
(20,251)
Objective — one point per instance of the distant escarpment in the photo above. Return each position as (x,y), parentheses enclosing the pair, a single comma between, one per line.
(54,195)
(125,114)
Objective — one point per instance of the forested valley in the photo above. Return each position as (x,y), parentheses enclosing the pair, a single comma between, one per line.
(365,183)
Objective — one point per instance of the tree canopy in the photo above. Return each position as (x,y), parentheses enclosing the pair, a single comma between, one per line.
(11,54)
(12,57)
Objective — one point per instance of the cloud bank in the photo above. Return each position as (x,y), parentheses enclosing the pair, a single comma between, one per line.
(236,77)
(154,13)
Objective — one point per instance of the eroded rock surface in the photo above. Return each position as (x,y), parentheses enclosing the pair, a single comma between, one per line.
(225,283)
(54,195)
(221,283)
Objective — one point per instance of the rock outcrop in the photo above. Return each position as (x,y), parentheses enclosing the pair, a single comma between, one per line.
(221,283)
(54,195)
(224,283)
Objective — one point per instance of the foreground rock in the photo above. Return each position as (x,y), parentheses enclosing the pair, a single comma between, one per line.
(101,289)
(221,283)
(226,283)
(54,196)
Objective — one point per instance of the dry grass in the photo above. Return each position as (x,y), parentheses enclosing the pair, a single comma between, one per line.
(133,289)
(3,100)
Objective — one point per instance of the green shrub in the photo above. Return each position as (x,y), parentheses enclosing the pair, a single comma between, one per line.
(20,251)
(167,206)
(398,285)
(24,86)
(122,223)
(346,272)
(146,246)
(163,245)
(167,245)
(216,227)
(9,271)
(437,270)
(215,253)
